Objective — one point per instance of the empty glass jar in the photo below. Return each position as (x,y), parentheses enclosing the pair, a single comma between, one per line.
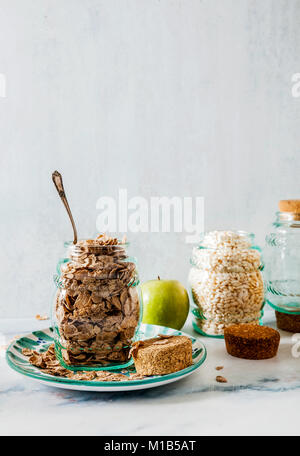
(282,259)
(97,308)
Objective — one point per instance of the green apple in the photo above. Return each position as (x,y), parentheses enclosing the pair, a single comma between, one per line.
(165,303)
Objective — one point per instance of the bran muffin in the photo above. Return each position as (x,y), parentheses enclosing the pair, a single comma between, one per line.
(250,341)
(162,355)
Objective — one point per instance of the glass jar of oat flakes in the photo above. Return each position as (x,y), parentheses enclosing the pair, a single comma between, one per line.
(226,282)
(97,308)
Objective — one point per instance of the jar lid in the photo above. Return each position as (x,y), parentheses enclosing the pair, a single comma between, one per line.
(292,205)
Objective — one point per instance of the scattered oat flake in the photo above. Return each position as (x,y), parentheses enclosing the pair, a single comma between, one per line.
(218,368)
(42,317)
(85,375)
(106,376)
(48,363)
(221,379)
(27,352)
(136,376)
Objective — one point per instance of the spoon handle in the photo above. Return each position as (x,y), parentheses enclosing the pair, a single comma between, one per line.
(58,182)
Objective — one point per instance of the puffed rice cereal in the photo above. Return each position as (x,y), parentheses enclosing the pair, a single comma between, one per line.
(226,281)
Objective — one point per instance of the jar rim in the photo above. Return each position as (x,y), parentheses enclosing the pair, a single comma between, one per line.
(283,216)
(245,234)
(103,246)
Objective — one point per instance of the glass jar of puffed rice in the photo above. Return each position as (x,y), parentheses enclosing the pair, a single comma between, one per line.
(226,282)
(97,307)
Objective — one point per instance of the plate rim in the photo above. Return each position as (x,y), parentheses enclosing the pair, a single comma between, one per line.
(123,383)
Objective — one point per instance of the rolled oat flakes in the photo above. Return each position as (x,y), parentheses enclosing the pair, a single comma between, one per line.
(97,304)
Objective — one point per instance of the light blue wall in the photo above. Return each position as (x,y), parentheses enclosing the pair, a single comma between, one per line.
(164,98)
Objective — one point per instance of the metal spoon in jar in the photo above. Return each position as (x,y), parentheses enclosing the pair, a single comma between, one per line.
(58,182)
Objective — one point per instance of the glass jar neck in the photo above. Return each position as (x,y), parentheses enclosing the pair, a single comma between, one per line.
(224,251)
(215,240)
(287,219)
(85,248)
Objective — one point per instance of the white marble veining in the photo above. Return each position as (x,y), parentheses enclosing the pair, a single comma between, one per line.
(261,397)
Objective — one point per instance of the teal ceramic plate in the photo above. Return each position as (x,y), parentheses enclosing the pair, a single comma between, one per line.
(40,340)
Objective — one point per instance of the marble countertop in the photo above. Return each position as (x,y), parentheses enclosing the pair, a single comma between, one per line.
(260,397)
